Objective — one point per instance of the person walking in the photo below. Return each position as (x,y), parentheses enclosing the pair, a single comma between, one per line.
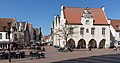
(115,48)
(90,46)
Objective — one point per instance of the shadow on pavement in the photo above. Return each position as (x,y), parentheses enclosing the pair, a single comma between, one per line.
(110,58)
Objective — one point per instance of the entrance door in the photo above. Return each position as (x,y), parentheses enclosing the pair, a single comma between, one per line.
(93,43)
(70,43)
(81,44)
(102,43)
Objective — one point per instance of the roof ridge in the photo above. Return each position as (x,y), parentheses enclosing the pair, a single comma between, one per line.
(114,19)
(80,7)
(6,18)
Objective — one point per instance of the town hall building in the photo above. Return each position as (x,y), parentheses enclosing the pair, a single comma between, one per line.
(81,27)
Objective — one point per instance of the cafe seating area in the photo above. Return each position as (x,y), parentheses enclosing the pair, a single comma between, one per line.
(14,55)
(37,54)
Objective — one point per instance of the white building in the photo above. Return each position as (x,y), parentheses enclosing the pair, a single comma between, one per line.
(81,27)
(4,39)
(115,32)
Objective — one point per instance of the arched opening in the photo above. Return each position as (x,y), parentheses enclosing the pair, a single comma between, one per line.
(81,44)
(93,43)
(70,43)
(102,43)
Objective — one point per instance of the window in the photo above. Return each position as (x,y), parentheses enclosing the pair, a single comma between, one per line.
(0,35)
(87,30)
(103,31)
(92,31)
(81,30)
(118,43)
(71,30)
(7,37)
(87,22)
(15,37)
(119,35)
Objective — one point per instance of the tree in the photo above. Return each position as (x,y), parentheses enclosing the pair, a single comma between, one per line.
(65,32)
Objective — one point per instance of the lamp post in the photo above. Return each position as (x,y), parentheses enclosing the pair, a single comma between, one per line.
(4,28)
(9,26)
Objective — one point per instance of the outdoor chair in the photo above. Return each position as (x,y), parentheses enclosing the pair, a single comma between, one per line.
(43,55)
(40,55)
(17,55)
(22,54)
(1,55)
(5,55)
(12,54)
(31,53)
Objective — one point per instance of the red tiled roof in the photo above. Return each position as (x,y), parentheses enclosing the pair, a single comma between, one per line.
(29,25)
(4,21)
(73,15)
(115,24)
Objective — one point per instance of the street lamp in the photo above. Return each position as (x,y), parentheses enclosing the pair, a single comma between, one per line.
(4,28)
(9,26)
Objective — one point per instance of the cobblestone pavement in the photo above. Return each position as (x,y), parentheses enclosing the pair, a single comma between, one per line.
(77,56)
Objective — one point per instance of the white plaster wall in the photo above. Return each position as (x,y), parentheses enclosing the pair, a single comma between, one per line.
(87,36)
(117,37)
(112,31)
(4,37)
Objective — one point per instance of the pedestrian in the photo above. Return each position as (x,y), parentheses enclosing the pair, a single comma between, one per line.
(90,46)
(43,49)
(115,48)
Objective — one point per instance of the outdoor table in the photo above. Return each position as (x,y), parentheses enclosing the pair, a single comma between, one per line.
(34,54)
(22,54)
(1,55)
(40,55)
(5,55)
(18,55)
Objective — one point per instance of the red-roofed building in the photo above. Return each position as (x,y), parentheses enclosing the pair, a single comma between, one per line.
(26,33)
(89,26)
(4,39)
(115,32)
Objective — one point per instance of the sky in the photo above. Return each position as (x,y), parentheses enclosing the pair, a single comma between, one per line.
(40,13)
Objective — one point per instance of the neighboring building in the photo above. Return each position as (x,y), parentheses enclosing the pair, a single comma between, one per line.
(38,34)
(4,39)
(115,32)
(48,39)
(26,35)
(22,33)
(31,29)
(81,27)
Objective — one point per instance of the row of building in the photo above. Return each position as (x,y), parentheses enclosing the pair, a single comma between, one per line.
(81,27)
(22,34)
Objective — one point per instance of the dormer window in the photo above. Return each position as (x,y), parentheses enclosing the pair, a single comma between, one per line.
(87,13)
